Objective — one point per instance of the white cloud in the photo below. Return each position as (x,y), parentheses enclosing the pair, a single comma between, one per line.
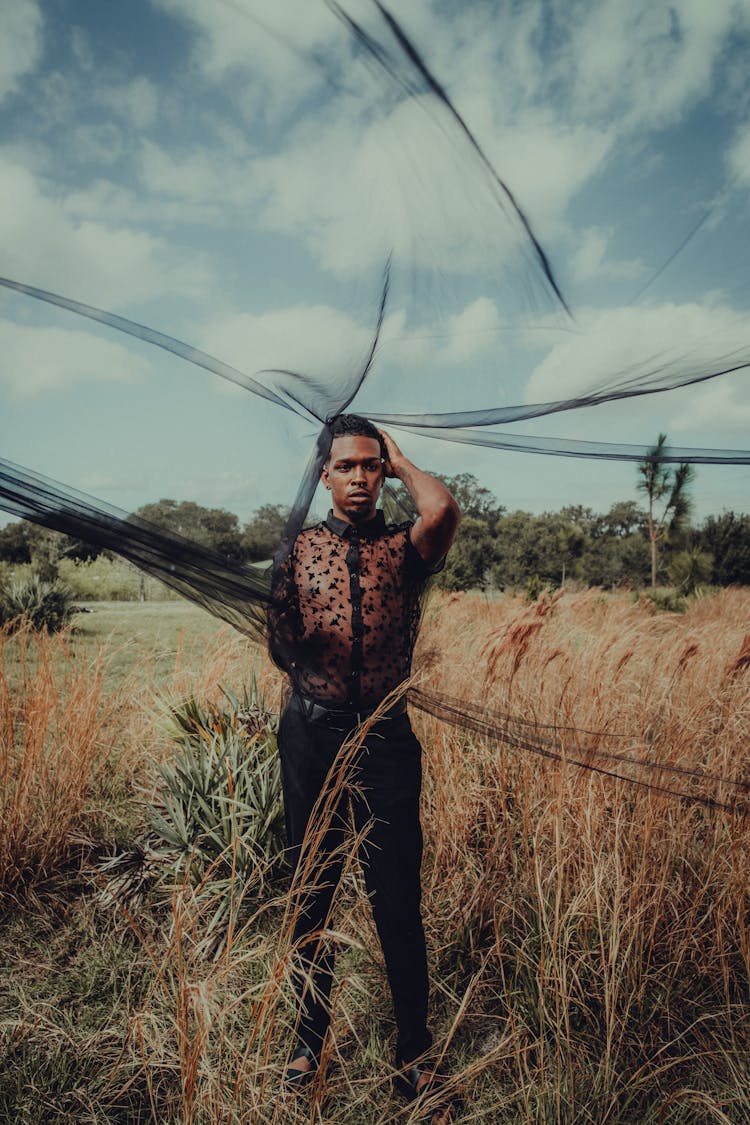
(629,341)
(274,51)
(354,192)
(135,101)
(39,360)
(85,258)
(547,161)
(646,62)
(463,338)
(354,185)
(471,333)
(101,143)
(195,176)
(245,132)
(315,340)
(590,259)
(720,405)
(83,50)
(20,42)
(98,91)
(184,184)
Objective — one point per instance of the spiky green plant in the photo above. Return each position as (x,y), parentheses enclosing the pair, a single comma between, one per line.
(221,803)
(45,605)
(216,825)
(690,569)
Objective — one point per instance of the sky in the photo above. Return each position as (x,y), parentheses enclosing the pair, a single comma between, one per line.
(233,173)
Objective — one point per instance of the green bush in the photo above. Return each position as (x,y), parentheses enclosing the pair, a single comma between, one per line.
(111,580)
(45,605)
(217,822)
(221,805)
(691,569)
(535,586)
(670,601)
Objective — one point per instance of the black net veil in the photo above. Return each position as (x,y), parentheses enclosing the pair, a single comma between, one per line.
(483,207)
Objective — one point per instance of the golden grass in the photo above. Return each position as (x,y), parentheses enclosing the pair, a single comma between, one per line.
(53,742)
(627,896)
(588,937)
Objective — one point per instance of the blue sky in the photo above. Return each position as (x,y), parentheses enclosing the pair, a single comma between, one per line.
(231,173)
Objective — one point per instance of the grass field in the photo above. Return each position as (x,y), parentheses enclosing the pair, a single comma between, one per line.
(154,640)
(588,936)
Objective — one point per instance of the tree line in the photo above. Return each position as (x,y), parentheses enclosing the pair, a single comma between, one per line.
(217,528)
(629,545)
(608,549)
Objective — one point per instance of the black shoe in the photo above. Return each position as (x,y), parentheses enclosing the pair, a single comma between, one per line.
(413,1084)
(295,1080)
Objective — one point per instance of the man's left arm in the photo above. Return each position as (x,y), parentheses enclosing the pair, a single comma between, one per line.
(438,513)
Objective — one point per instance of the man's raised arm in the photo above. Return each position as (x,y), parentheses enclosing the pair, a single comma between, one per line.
(439,514)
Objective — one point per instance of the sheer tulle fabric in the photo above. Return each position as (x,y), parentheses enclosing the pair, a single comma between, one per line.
(261,602)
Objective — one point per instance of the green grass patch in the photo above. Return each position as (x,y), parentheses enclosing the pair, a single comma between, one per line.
(148,639)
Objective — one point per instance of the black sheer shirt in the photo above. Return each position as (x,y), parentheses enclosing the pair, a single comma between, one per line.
(347,604)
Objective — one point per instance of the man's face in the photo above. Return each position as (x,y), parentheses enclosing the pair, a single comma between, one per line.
(354,474)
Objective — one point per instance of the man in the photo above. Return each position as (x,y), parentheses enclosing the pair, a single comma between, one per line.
(347,611)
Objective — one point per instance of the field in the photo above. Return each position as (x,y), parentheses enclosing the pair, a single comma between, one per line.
(588,936)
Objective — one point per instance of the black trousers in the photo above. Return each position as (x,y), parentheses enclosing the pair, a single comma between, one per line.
(382,786)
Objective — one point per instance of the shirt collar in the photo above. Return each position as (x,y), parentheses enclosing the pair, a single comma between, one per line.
(371,529)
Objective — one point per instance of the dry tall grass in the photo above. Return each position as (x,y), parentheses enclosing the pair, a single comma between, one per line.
(53,743)
(588,937)
(613,919)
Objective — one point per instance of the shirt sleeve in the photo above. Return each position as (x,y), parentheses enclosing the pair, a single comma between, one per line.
(417,569)
(284,615)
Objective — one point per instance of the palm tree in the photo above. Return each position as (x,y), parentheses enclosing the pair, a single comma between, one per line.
(660,481)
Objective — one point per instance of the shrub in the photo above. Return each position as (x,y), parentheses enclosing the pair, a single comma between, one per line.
(111,580)
(45,605)
(217,823)
(691,569)
(221,794)
(670,601)
(536,586)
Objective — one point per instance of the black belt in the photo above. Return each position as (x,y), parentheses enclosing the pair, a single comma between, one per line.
(346,716)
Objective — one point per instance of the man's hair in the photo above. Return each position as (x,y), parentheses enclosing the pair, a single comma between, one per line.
(354,425)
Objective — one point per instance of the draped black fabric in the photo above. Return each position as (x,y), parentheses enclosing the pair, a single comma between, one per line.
(241,595)
(236,594)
